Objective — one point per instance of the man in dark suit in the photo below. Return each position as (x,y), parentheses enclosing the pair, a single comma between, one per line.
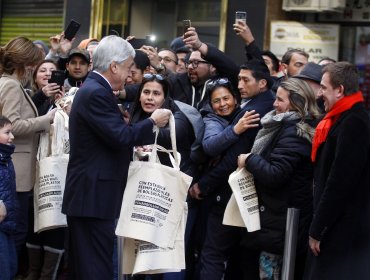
(340,230)
(99,158)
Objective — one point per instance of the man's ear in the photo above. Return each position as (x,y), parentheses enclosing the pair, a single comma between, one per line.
(340,92)
(284,68)
(262,84)
(212,70)
(113,67)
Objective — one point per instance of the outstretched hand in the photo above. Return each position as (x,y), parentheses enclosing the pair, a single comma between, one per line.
(161,117)
(249,120)
(191,39)
(243,30)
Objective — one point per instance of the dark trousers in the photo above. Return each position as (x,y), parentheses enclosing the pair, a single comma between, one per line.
(20,235)
(91,243)
(218,246)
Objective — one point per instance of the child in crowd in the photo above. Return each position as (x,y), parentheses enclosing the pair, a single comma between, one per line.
(8,202)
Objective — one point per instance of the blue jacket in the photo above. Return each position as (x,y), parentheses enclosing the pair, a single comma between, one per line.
(7,188)
(100,152)
(216,181)
(218,134)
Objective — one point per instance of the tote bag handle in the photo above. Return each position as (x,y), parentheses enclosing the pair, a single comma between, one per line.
(156,147)
(58,136)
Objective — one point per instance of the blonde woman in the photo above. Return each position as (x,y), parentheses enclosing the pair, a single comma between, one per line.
(281,167)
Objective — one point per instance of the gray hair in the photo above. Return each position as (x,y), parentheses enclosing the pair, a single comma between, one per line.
(111,48)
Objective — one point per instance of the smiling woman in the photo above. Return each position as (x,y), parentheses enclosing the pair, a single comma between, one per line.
(224,102)
(280,165)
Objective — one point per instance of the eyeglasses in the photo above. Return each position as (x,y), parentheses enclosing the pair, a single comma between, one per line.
(168,59)
(195,63)
(150,76)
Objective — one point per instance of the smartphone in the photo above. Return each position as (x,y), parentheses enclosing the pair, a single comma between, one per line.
(58,77)
(186,23)
(71,30)
(137,43)
(240,16)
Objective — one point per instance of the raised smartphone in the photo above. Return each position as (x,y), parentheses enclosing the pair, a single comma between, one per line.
(240,16)
(71,30)
(186,23)
(137,43)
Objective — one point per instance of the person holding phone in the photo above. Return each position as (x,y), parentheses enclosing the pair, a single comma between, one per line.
(46,248)
(61,44)
(44,92)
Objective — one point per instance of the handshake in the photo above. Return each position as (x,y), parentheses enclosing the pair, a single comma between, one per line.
(160,117)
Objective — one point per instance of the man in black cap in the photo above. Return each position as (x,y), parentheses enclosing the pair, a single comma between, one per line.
(312,74)
(78,66)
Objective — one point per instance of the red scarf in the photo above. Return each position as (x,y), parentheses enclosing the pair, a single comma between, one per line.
(323,128)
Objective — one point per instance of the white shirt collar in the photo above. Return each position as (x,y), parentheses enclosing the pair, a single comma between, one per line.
(103,77)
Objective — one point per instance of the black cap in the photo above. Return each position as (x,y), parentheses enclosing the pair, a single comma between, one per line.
(177,43)
(79,52)
(311,71)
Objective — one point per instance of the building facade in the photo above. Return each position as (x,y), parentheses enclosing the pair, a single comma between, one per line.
(40,19)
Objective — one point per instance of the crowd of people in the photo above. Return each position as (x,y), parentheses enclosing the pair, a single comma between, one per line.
(299,128)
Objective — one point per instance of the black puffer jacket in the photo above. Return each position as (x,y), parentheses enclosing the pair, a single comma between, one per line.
(283,175)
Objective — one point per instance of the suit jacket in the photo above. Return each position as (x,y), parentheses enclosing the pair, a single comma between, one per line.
(100,151)
(342,199)
(17,106)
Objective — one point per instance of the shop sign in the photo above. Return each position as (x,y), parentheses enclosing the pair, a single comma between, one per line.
(318,40)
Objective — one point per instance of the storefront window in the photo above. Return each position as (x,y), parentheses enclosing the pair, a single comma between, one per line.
(34,20)
(115,17)
(205,16)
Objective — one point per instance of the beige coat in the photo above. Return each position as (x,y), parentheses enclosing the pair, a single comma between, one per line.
(17,106)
